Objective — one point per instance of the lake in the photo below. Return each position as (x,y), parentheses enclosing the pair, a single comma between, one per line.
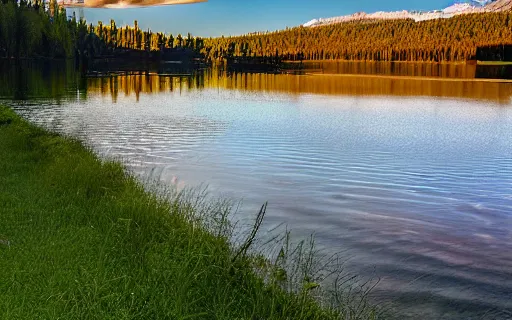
(410,178)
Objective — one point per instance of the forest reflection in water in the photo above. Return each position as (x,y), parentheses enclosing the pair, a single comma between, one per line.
(329,84)
(408,69)
(63,81)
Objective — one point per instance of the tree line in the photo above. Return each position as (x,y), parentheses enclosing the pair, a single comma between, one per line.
(128,37)
(33,28)
(454,39)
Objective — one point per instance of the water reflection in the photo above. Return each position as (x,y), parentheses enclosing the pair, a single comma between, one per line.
(445,70)
(40,79)
(411,178)
(32,79)
(353,85)
(348,85)
(135,83)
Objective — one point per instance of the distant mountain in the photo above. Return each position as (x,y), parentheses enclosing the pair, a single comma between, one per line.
(499,5)
(460,7)
(477,3)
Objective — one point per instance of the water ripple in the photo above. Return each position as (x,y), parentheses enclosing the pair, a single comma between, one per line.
(417,190)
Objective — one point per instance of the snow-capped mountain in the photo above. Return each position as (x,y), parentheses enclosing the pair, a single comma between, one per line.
(499,5)
(460,7)
(476,3)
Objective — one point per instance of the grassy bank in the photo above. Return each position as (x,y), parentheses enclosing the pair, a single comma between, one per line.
(80,238)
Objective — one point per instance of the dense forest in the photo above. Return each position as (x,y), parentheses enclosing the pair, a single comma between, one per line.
(29,29)
(454,39)
(33,29)
(135,38)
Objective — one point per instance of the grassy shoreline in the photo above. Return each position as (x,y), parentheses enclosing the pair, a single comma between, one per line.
(81,238)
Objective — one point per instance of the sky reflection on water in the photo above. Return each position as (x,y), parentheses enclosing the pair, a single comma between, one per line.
(411,179)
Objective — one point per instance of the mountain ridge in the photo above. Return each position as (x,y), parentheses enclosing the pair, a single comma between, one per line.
(461,7)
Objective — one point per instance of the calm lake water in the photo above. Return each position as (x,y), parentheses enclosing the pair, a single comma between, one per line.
(410,178)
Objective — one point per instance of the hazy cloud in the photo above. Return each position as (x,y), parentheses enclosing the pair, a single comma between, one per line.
(123,3)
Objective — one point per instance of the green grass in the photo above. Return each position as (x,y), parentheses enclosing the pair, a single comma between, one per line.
(81,238)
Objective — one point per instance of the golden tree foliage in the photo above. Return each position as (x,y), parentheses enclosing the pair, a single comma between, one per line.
(454,39)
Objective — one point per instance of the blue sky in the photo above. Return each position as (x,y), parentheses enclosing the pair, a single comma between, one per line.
(233,17)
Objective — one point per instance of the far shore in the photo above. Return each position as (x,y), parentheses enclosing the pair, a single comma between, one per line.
(505,63)
(411,77)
